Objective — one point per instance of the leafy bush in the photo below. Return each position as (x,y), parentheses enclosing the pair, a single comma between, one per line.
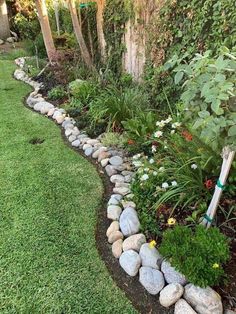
(57,92)
(113,139)
(84,91)
(114,105)
(198,254)
(209,96)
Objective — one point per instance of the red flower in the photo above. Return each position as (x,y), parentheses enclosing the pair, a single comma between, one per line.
(130,142)
(209,184)
(188,136)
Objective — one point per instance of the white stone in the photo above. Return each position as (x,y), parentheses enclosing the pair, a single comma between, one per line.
(117,178)
(117,248)
(171,274)
(51,112)
(121,190)
(60,119)
(68,132)
(171,294)
(75,131)
(203,300)
(128,204)
(110,170)
(104,162)
(151,279)
(113,201)
(130,262)
(134,242)
(114,226)
(1,42)
(150,256)
(129,222)
(92,142)
(20,75)
(72,138)
(76,143)
(182,307)
(88,151)
(113,212)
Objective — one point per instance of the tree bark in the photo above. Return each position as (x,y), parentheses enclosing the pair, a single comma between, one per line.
(100,21)
(56,11)
(46,29)
(78,33)
(4,22)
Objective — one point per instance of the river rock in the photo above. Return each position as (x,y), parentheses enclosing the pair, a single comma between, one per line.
(116,161)
(182,307)
(113,212)
(121,190)
(128,204)
(114,226)
(203,300)
(134,242)
(172,275)
(171,294)
(113,201)
(76,143)
(1,42)
(60,119)
(72,138)
(130,261)
(75,131)
(51,112)
(103,155)
(92,142)
(110,170)
(10,40)
(114,236)
(117,248)
(151,279)
(31,101)
(20,75)
(150,256)
(88,151)
(129,222)
(68,132)
(117,178)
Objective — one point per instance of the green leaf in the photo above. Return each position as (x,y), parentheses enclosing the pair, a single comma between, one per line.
(178,77)
(203,114)
(215,105)
(232,131)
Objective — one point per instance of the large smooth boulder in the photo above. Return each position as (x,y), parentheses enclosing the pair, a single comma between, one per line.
(203,300)
(171,294)
(151,279)
(130,261)
(171,274)
(182,307)
(129,222)
(113,212)
(134,242)
(43,107)
(117,248)
(150,256)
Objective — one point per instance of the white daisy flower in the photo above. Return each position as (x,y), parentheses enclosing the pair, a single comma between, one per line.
(165,185)
(172,132)
(154,148)
(161,169)
(158,134)
(155,173)
(174,183)
(144,177)
(175,125)
(194,166)
(151,161)
(168,120)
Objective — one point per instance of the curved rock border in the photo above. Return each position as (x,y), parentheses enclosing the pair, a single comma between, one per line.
(136,256)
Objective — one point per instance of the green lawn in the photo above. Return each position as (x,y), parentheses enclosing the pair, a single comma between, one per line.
(48,201)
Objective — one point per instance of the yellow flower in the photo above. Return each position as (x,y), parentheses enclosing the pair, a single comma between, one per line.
(215,265)
(152,244)
(171,221)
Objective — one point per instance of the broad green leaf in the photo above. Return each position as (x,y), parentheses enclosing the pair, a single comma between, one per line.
(203,114)
(232,131)
(215,105)
(178,77)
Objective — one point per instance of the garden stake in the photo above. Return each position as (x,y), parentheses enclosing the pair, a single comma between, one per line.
(228,156)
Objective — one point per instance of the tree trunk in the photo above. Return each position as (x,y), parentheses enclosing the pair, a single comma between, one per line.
(78,33)
(100,32)
(56,11)
(4,23)
(45,28)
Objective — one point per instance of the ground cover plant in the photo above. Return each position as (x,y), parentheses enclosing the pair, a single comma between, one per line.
(49,260)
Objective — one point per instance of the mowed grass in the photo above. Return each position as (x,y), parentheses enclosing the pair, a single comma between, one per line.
(48,201)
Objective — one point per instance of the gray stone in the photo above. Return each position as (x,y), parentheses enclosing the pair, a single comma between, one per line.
(150,256)
(43,107)
(10,40)
(121,190)
(85,146)
(117,196)
(182,307)
(117,248)
(60,119)
(56,114)
(67,125)
(20,75)
(75,131)
(31,101)
(151,279)
(129,222)
(62,111)
(130,262)
(113,201)
(122,185)
(88,151)
(127,173)
(172,275)
(76,143)
(116,161)
(229,312)
(92,142)
(103,155)
(110,170)
(72,138)
(117,178)
(128,178)
(51,112)
(114,236)
(128,204)
(113,212)
(171,294)
(134,242)
(203,300)
(1,42)
(114,226)
(68,132)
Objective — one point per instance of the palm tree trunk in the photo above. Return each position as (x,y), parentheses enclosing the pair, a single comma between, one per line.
(4,23)
(78,33)
(46,29)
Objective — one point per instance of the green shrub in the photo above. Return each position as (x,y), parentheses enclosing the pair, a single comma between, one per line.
(115,106)
(198,254)
(84,91)
(57,92)
(114,139)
